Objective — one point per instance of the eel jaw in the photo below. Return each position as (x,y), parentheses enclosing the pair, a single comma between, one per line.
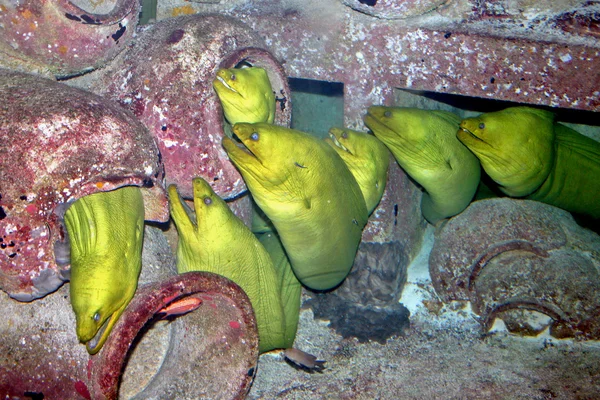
(227,86)
(471,134)
(241,147)
(95,344)
(337,143)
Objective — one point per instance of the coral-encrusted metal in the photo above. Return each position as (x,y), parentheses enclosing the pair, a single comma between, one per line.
(58,144)
(56,37)
(166,80)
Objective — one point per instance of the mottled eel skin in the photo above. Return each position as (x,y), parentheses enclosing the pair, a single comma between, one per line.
(529,155)
(308,193)
(215,240)
(425,146)
(106,232)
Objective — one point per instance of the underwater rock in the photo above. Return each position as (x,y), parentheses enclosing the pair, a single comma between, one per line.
(505,255)
(143,357)
(57,37)
(166,77)
(366,305)
(362,322)
(57,144)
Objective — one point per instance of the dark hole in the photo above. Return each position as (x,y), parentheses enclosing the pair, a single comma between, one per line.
(23,197)
(370,3)
(117,35)
(2,213)
(243,64)
(483,105)
(34,395)
(175,36)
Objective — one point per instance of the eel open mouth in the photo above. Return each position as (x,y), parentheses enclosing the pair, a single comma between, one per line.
(470,134)
(235,144)
(224,83)
(95,344)
(337,143)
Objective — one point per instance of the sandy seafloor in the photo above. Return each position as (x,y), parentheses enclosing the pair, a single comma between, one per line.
(443,355)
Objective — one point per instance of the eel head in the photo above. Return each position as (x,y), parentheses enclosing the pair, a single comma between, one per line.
(515,147)
(246,94)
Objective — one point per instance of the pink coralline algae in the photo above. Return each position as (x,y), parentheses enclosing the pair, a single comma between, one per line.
(56,37)
(58,144)
(165,79)
(514,257)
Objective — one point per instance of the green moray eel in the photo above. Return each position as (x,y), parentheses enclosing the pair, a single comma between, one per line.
(424,144)
(246,95)
(106,233)
(291,289)
(367,158)
(217,241)
(308,193)
(529,155)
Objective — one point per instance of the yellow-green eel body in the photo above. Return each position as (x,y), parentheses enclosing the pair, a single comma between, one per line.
(215,240)
(246,94)
(367,158)
(531,156)
(106,234)
(424,144)
(308,193)
(291,289)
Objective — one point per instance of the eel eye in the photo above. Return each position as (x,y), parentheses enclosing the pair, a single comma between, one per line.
(232,77)
(96,317)
(254,136)
(387,114)
(481,125)
(345,135)
(207,201)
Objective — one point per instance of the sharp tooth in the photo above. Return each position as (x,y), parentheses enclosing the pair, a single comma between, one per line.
(337,143)
(225,84)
